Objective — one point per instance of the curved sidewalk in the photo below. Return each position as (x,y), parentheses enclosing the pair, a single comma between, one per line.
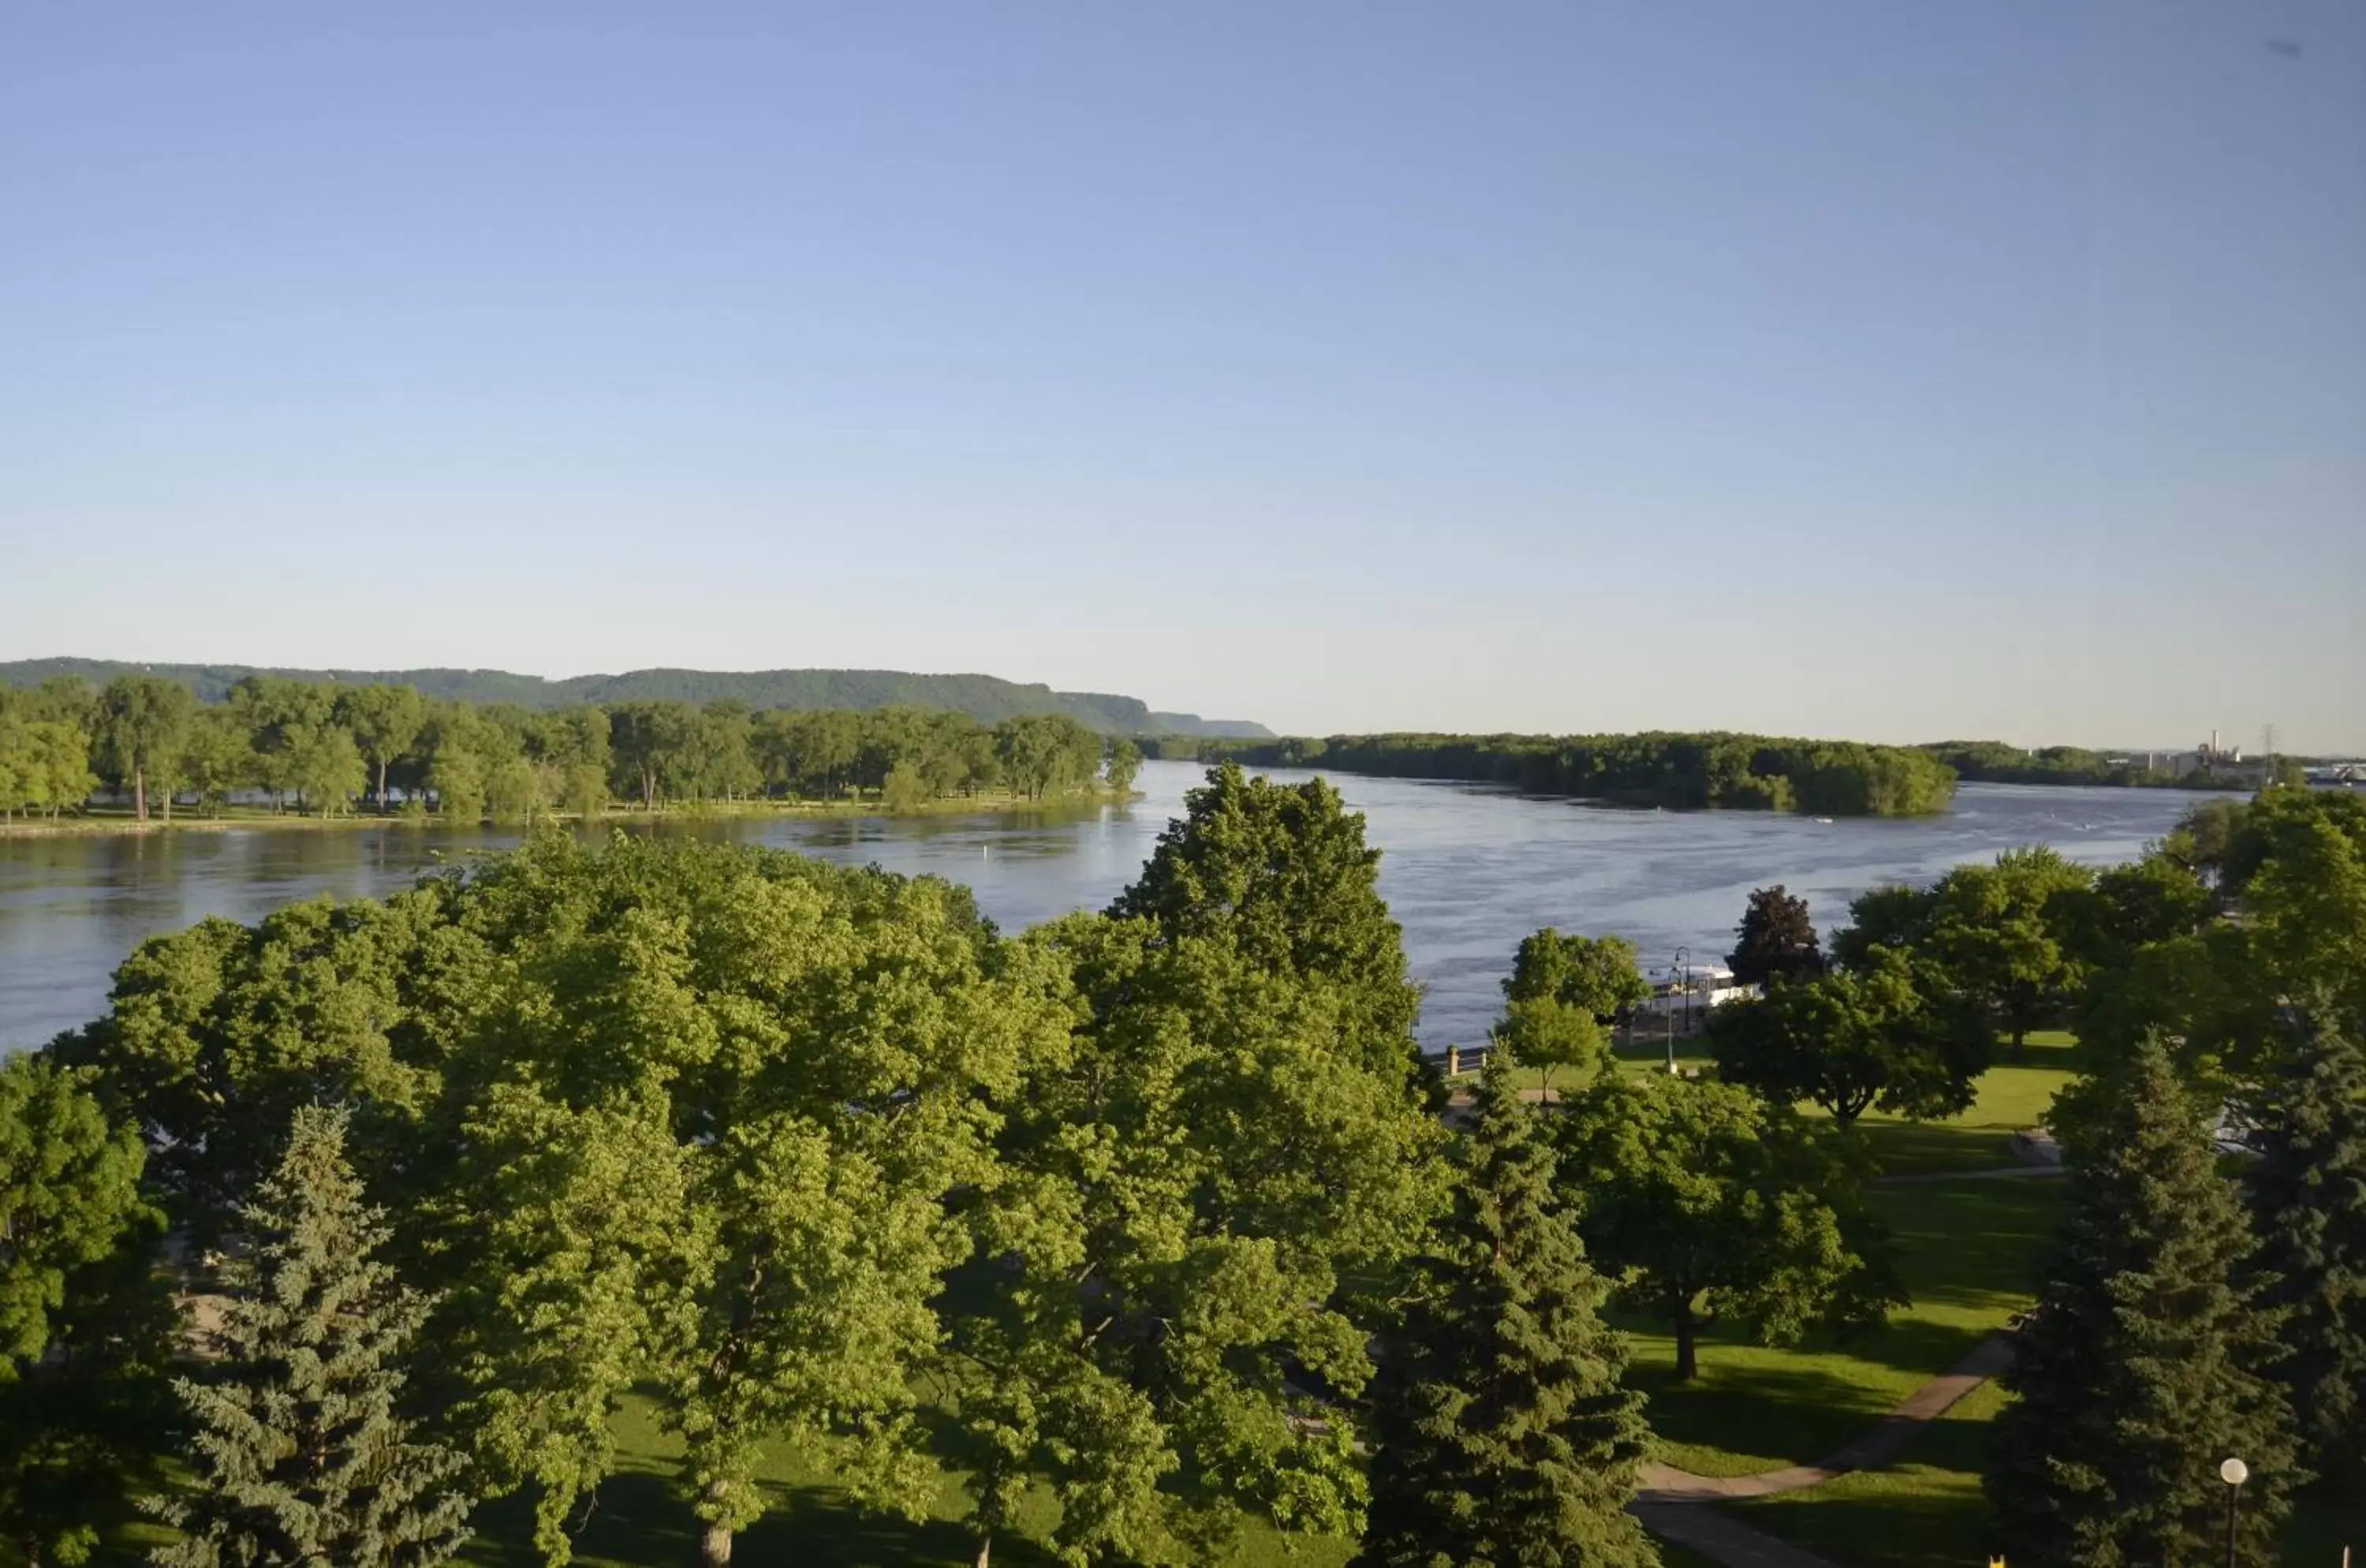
(1665,1483)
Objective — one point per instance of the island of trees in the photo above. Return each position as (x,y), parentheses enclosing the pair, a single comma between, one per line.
(350,1232)
(332,750)
(1679,771)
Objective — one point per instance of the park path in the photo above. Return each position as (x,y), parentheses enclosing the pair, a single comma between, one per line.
(1669,1505)
(1876,1445)
(1722,1538)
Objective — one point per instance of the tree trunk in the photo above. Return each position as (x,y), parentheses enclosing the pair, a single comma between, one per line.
(168,805)
(2020,1040)
(138,792)
(985,1550)
(1687,1353)
(715,1541)
(382,786)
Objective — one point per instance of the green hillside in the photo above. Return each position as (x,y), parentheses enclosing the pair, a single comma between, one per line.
(986,698)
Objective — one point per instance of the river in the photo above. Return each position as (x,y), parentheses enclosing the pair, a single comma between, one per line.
(1467,871)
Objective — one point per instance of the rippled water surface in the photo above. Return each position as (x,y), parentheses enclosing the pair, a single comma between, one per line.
(1469,872)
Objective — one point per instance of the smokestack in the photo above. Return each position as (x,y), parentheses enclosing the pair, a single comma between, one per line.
(2214,743)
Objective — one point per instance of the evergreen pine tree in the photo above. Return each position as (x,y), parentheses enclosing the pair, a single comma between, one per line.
(1503,1437)
(300,1456)
(2308,1205)
(2142,1367)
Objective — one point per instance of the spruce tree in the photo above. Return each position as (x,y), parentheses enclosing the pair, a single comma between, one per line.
(2308,1205)
(302,1458)
(2141,1369)
(1503,1437)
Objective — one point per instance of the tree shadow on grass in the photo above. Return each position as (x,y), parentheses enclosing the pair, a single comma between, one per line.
(1785,1415)
(642,1521)
(816,1525)
(1944,1526)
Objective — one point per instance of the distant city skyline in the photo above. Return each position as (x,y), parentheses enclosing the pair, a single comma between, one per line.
(1897,373)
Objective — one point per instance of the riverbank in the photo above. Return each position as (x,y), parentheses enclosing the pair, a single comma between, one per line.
(108,820)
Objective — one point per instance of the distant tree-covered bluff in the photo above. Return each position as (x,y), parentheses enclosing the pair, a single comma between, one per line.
(1828,778)
(986,698)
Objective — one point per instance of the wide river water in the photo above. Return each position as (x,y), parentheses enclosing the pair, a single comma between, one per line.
(1467,871)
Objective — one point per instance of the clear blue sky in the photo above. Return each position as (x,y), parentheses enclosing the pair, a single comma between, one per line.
(1891,370)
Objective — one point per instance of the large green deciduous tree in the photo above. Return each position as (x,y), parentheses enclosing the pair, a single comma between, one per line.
(2004,933)
(44,765)
(1597,976)
(325,768)
(216,1035)
(85,1322)
(1503,1435)
(2146,1362)
(1196,1187)
(217,757)
(1194,1191)
(1708,1203)
(725,1100)
(1560,996)
(142,723)
(385,722)
(2307,1197)
(1999,931)
(1124,766)
(302,1456)
(78,1424)
(1854,1041)
(1281,872)
(69,1188)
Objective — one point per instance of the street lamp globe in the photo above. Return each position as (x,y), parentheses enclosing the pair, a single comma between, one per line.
(2234,1472)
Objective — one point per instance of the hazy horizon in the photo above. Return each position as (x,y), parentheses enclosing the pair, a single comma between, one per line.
(1891,372)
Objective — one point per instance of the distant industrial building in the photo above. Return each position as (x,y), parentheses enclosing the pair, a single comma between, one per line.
(2220,764)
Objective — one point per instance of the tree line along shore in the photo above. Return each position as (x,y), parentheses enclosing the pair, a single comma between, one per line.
(328,751)
(374,1233)
(1689,772)
(332,752)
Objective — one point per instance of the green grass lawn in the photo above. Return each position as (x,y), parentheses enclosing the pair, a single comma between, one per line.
(1925,1510)
(2013,1096)
(1966,1249)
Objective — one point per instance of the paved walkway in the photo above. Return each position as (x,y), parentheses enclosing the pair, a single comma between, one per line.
(1669,1504)
(1876,1445)
(1722,1538)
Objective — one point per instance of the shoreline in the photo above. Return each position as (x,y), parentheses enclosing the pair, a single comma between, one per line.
(111,824)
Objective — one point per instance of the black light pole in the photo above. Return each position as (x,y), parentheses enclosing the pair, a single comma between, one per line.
(1684,959)
(2234,1472)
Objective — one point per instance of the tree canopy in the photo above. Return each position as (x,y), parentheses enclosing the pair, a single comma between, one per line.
(1854,1041)
(1704,1202)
